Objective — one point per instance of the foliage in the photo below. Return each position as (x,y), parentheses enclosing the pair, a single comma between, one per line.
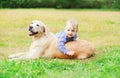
(60,3)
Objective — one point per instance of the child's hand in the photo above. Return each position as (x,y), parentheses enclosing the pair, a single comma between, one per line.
(70,53)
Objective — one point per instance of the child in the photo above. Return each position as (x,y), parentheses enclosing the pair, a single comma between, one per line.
(66,35)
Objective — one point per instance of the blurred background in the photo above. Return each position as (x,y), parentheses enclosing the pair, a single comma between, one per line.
(60,4)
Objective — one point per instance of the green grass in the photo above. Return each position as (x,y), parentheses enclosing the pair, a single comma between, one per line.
(106,65)
(100,27)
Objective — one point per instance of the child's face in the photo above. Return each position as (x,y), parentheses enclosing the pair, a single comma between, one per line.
(70,31)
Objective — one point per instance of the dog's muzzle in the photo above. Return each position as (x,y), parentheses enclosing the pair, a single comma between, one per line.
(31,32)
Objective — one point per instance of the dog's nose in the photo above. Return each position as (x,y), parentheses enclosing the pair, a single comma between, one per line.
(30,28)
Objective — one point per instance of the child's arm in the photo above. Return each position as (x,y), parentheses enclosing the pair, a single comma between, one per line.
(61,47)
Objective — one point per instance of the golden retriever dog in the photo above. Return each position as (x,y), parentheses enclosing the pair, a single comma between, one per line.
(45,45)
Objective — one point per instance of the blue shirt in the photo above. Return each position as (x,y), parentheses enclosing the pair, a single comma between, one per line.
(62,39)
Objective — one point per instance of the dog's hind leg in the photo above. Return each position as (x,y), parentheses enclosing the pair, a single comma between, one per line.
(82,56)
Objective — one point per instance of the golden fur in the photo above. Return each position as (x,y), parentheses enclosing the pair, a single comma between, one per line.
(45,45)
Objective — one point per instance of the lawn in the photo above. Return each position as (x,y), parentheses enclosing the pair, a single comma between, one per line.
(102,28)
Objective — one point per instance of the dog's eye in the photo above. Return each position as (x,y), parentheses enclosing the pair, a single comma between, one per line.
(37,24)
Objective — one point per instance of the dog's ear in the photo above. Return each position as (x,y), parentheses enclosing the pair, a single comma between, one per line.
(45,30)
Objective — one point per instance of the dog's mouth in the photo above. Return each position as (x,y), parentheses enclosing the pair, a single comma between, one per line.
(31,33)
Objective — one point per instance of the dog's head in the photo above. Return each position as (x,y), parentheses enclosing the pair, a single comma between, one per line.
(37,27)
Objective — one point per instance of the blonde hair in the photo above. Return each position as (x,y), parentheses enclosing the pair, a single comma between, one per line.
(73,23)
